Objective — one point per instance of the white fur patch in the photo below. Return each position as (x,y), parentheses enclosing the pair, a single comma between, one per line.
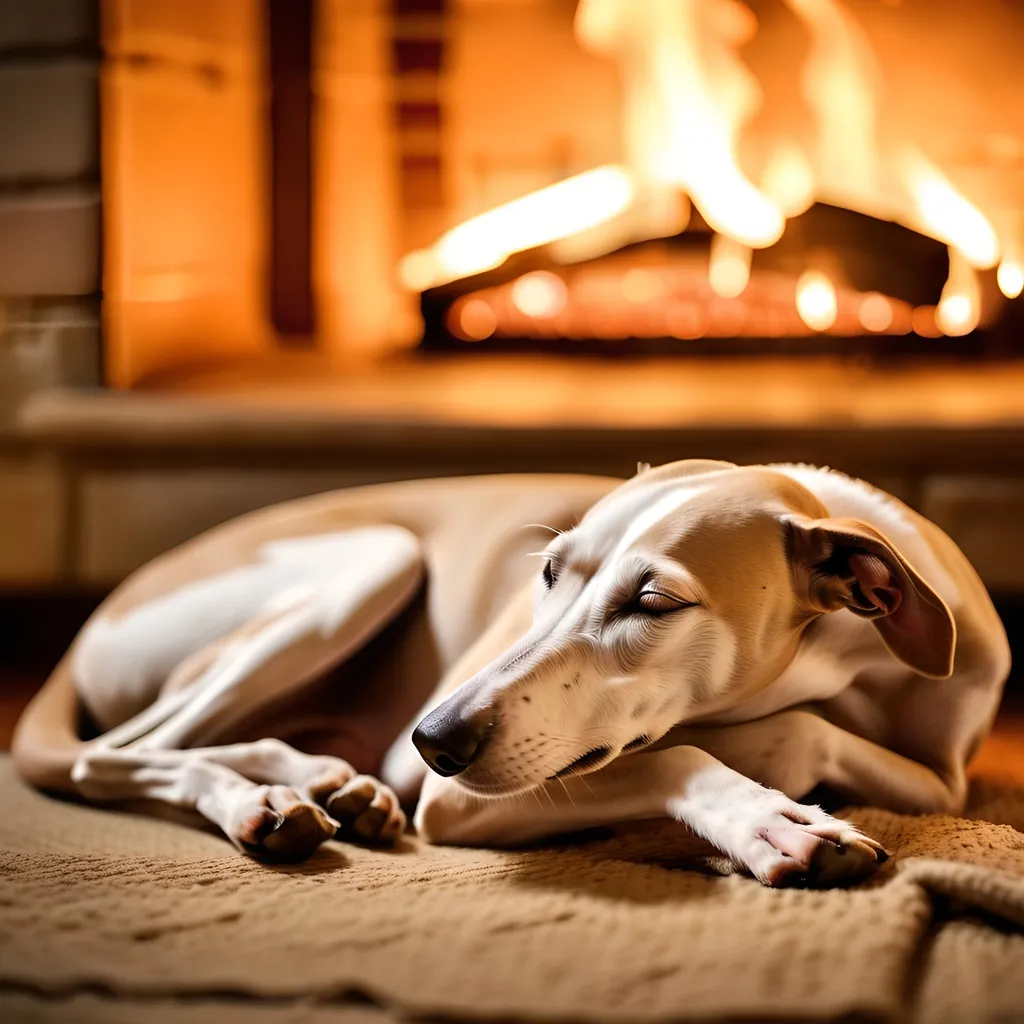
(675,499)
(119,664)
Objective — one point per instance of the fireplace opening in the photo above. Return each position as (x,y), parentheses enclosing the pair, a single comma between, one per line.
(323,187)
(845,238)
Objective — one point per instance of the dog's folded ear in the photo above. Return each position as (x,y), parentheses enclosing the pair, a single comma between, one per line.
(845,563)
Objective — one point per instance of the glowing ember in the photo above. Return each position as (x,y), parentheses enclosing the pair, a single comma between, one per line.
(816,300)
(1010,277)
(540,294)
(876,313)
(923,322)
(641,285)
(473,320)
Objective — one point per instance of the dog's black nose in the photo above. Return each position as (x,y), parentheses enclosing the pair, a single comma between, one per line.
(448,739)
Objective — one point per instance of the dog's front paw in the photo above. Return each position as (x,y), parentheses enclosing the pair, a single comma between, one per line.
(366,810)
(278,823)
(787,843)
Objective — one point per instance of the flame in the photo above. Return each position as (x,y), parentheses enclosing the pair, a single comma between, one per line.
(728,267)
(841,83)
(816,300)
(945,214)
(1010,277)
(959,308)
(789,180)
(686,97)
(570,206)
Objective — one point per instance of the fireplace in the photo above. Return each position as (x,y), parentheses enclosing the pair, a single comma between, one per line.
(771,194)
(327,184)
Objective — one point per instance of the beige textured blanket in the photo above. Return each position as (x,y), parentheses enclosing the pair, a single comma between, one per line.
(110,916)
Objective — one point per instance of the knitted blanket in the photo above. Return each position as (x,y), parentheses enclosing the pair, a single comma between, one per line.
(109,916)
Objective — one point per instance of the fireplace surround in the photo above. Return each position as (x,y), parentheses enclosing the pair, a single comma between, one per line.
(268,168)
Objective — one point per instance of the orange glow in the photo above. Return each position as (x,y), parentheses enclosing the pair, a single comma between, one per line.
(687,95)
(923,322)
(641,285)
(417,270)
(728,267)
(959,308)
(539,294)
(656,212)
(955,315)
(686,321)
(944,214)
(1010,277)
(841,84)
(816,300)
(473,320)
(573,205)
(789,180)
(876,313)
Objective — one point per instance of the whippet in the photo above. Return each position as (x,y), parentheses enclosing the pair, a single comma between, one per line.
(704,642)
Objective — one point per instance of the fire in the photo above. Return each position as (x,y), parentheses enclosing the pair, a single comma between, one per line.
(959,308)
(940,211)
(687,97)
(728,267)
(566,208)
(789,180)
(841,83)
(1010,277)
(816,300)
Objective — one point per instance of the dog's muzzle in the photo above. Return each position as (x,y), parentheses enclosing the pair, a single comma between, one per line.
(450,738)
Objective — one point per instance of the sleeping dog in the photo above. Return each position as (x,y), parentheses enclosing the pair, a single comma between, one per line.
(703,642)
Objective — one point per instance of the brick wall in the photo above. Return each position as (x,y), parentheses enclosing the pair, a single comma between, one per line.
(49,252)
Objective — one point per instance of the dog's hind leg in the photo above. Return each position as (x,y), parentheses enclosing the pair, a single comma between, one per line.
(266,797)
(329,610)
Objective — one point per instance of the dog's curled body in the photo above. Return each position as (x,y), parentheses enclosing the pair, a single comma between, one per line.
(704,642)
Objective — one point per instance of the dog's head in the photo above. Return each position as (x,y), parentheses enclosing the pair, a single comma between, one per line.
(681,594)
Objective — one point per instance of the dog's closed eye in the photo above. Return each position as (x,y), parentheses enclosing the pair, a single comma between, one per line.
(656,603)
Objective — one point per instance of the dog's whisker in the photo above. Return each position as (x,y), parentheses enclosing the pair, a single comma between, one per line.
(543,526)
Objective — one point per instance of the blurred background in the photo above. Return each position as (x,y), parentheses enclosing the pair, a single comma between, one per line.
(256,249)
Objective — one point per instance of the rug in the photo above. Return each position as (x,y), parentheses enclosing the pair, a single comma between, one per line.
(109,916)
